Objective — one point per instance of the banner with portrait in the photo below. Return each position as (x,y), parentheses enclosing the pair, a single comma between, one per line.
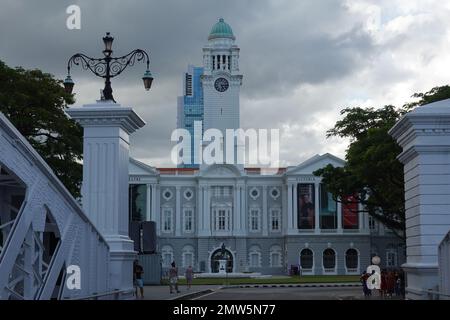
(305,205)
(350,213)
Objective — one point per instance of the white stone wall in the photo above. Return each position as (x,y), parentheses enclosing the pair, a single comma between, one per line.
(424,135)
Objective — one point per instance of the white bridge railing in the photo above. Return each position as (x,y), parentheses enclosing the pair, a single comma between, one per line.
(43,230)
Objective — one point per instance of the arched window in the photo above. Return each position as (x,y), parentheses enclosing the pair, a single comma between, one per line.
(306,259)
(187,256)
(329,260)
(351,260)
(255,257)
(275,256)
(167,256)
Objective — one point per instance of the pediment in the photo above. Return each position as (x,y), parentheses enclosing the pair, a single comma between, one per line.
(136,167)
(314,163)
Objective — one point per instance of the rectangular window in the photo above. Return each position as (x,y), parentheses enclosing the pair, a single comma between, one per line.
(167,259)
(254,260)
(275,259)
(214,62)
(254,219)
(275,216)
(350,213)
(188,84)
(391,258)
(328,209)
(222,220)
(229,62)
(188,259)
(305,205)
(188,220)
(167,220)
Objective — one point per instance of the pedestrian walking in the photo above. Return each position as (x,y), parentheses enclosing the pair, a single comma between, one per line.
(189,277)
(138,270)
(173,278)
(367,292)
(398,284)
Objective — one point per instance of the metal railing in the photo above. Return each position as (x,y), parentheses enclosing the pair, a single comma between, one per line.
(436,295)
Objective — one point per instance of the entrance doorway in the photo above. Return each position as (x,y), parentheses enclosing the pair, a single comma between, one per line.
(216,256)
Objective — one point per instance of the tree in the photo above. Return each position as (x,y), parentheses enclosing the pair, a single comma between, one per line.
(372,173)
(34,102)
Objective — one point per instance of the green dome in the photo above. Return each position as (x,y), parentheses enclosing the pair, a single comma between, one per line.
(221,30)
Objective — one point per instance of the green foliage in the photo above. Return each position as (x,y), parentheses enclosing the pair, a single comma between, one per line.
(435,94)
(34,102)
(372,172)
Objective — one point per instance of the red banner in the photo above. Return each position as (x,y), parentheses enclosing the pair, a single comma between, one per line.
(350,213)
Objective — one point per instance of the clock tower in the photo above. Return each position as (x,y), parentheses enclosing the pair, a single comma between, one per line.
(221,80)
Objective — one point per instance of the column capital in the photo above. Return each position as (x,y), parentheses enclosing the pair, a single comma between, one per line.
(104,114)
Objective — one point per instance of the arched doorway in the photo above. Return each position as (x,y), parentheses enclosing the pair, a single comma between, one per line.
(216,256)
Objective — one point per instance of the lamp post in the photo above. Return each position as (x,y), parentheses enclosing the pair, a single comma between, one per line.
(107,127)
(108,67)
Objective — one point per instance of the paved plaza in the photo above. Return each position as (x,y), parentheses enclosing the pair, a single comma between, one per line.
(214,292)
(163,293)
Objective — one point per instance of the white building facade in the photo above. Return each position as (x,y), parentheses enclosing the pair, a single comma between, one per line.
(268,223)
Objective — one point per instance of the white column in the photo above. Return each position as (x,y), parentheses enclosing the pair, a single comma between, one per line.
(200,219)
(361,220)
(317,207)
(178,212)
(289,210)
(264,212)
(148,203)
(207,209)
(235,211)
(238,209)
(295,207)
(365,217)
(244,209)
(153,204)
(107,128)
(158,210)
(339,217)
(381,229)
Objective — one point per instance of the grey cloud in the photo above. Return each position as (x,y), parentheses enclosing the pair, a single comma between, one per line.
(285,46)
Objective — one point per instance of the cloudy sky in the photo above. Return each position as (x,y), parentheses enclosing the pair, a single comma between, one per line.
(302,60)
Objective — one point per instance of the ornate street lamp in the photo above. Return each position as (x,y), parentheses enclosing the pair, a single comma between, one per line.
(108,67)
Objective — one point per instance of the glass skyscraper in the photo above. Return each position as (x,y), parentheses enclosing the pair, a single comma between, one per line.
(190,106)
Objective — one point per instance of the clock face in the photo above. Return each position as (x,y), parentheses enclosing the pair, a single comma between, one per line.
(221,84)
